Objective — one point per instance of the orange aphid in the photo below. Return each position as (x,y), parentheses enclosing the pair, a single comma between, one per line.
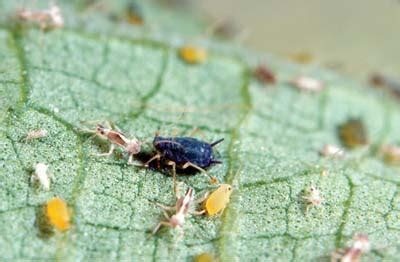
(58,214)
(204,257)
(218,200)
(193,55)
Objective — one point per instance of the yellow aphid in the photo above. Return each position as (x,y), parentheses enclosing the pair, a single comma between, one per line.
(193,55)
(204,257)
(58,214)
(217,200)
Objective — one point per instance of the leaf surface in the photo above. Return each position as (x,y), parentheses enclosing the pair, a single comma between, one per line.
(101,69)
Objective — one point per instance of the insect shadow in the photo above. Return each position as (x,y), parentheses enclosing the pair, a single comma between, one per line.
(45,230)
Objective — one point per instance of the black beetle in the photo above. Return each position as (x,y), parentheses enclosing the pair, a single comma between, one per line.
(184,152)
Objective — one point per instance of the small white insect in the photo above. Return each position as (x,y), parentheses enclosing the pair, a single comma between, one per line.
(361,245)
(48,18)
(42,176)
(35,134)
(313,198)
(308,84)
(330,150)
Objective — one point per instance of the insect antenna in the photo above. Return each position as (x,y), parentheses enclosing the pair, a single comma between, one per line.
(216,142)
(169,142)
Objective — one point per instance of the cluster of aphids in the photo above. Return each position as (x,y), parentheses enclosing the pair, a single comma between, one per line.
(181,153)
(177,152)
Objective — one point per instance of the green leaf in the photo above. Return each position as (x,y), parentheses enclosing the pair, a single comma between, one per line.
(96,68)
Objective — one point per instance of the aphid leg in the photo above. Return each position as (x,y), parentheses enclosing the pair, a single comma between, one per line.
(158,156)
(178,189)
(130,161)
(195,131)
(112,148)
(198,201)
(173,164)
(198,213)
(169,208)
(213,180)
(308,208)
(336,255)
(202,199)
(166,215)
(33,179)
(162,223)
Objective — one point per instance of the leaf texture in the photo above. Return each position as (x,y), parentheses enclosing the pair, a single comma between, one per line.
(96,68)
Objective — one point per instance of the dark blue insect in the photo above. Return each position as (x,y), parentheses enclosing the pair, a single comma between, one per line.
(184,152)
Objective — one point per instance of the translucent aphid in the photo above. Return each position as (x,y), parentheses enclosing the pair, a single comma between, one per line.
(181,208)
(308,84)
(42,176)
(35,134)
(313,198)
(361,245)
(330,150)
(352,133)
(58,214)
(116,138)
(192,54)
(48,18)
(391,154)
(216,202)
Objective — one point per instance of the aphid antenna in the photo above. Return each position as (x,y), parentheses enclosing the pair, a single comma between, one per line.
(216,142)
(168,141)
(105,123)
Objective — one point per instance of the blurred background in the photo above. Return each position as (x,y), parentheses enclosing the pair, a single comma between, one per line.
(354,37)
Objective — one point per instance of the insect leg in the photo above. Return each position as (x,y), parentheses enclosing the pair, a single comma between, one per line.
(195,131)
(112,148)
(336,255)
(130,162)
(214,180)
(198,213)
(173,164)
(162,223)
(34,178)
(165,207)
(157,156)
(202,199)
(166,215)
(130,159)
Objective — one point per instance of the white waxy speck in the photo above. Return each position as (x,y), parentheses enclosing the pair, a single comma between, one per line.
(329,150)
(41,175)
(308,84)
